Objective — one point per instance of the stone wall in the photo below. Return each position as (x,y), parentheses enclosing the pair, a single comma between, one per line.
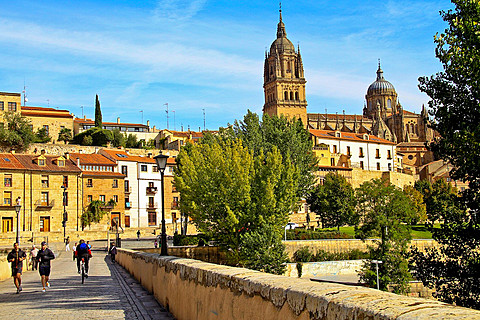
(192,289)
(206,254)
(324,268)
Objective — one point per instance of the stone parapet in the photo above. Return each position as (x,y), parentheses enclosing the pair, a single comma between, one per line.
(192,289)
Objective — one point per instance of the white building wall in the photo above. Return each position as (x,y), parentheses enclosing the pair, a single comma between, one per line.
(132,179)
(144,177)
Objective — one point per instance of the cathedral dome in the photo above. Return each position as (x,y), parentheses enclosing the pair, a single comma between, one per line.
(282,44)
(381,85)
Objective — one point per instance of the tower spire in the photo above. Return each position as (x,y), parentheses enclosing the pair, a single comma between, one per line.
(379,72)
(281,33)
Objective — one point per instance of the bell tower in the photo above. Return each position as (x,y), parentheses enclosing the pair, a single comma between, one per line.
(284,79)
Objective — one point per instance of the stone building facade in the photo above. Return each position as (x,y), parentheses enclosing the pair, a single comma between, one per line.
(51,119)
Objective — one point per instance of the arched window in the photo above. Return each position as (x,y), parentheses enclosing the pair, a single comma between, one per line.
(389,103)
(291,95)
(416,129)
(407,128)
(296,96)
(288,66)
(411,128)
(286,95)
(271,69)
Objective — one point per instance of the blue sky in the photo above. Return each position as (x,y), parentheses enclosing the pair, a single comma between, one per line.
(205,54)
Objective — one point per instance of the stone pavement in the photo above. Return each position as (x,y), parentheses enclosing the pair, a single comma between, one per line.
(108,293)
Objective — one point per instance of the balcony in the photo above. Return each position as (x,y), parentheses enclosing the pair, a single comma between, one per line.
(128,189)
(151,190)
(152,205)
(175,205)
(128,205)
(42,204)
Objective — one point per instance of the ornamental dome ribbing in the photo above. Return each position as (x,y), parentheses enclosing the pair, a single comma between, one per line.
(381,86)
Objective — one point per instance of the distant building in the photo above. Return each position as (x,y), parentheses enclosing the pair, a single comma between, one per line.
(9,102)
(51,119)
(174,140)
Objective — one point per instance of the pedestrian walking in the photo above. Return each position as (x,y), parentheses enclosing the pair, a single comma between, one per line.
(16,257)
(113,252)
(138,235)
(67,244)
(33,256)
(155,244)
(89,245)
(74,248)
(44,256)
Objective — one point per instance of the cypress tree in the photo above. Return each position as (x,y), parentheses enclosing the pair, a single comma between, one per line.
(98,113)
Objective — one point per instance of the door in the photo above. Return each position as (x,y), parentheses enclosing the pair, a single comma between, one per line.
(115,222)
(127,221)
(44,224)
(7,224)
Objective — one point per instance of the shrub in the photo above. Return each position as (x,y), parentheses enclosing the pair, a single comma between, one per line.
(303,255)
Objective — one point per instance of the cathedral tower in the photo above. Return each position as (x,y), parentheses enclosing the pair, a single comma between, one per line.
(380,94)
(283,78)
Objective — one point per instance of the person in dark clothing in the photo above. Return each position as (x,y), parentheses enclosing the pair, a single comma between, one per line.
(16,257)
(83,251)
(44,256)
(113,251)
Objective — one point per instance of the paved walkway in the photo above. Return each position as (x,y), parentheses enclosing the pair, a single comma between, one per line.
(108,293)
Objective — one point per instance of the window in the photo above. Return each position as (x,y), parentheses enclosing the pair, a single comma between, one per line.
(296,96)
(332,162)
(378,165)
(151,203)
(348,151)
(286,95)
(127,186)
(125,170)
(65,199)
(7,224)
(151,184)
(89,198)
(154,169)
(41,162)
(44,224)
(334,149)
(389,167)
(46,129)
(44,199)
(291,95)
(389,154)
(12,106)
(61,163)
(361,153)
(7,198)
(45,181)
(102,198)
(89,183)
(152,218)
(7,180)
(174,189)
(65,181)
(1,106)
(127,221)
(115,183)
(361,165)
(115,198)
(143,168)
(377,154)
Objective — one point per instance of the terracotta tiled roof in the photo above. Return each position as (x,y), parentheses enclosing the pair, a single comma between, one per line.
(27,161)
(8,161)
(90,121)
(103,174)
(27,108)
(186,134)
(334,116)
(91,159)
(172,161)
(327,134)
(335,168)
(121,155)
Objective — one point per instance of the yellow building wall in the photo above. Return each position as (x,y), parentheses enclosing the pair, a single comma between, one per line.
(7,97)
(54,124)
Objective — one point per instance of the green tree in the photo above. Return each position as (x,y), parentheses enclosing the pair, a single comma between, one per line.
(16,132)
(93,213)
(118,138)
(454,269)
(333,202)
(131,141)
(233,197)
(385,211)
(94,137)
(416,197)
(65,135)
(289,136)
(98,113)
(42,136)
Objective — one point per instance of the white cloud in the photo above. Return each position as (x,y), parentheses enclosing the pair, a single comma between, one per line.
(178,10)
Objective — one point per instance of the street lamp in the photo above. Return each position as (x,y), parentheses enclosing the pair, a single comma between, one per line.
(18,206)
(65,215)
(161,165)
(377,262)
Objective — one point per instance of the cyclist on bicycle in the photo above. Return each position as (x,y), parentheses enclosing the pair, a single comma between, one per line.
(83,251)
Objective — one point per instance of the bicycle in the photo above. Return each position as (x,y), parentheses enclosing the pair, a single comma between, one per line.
(82,266)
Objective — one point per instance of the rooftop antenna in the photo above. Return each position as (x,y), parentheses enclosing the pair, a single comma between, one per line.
(25,99)
(203,119)
(82,110)
(141,111)
(48,100)
(174,126)
(166,104)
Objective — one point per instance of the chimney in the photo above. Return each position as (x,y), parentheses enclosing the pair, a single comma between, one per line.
(12,151)
(96,150)
(84,117)
(199,130)
(154,129)
(118,119)
(78,162)
(67,155)
(42,152)
(149,155)
(148,123)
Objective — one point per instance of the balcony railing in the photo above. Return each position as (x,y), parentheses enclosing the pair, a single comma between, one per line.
(151,190)
(152,205)
(128,205)
(175,205)
(44,204)
(128,189)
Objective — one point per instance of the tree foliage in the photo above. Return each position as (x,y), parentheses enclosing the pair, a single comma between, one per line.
(98,113)
(333,202)
(65,135)
(385,211)
(93,213)
(94,136)
(16,132)
(118,138)
(454,269)
(234,196)
(42,136)
(131,141)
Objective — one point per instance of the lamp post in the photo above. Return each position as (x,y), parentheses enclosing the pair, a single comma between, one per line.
(377,262)
(18,206)
(65,215)
(162,164)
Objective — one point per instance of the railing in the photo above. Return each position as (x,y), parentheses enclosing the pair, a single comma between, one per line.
(152,190)
(44,204)
(152,205)
(128,189)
